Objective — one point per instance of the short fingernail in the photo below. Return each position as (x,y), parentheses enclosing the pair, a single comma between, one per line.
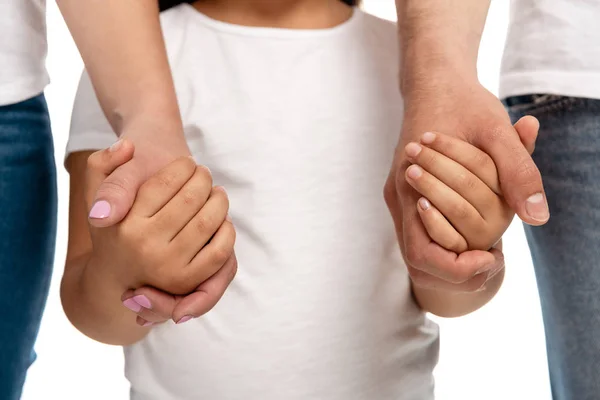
(414,172)
(424,204)
(228,219)
(148,323)
(428,137)
(142,301)
(132,305)
(184,319)
(115,146)
(100,210)
(537,208)
(413,150)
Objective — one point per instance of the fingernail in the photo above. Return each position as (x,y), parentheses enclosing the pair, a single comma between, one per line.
(100,210)
(537,208)
(424,204)
(228,219)
(143,301)
(428,138)
(132,305)
(412,150)
(148,323)
(115,146)
(184,319)
(414,172)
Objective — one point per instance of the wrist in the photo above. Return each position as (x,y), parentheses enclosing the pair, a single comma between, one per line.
(424,71)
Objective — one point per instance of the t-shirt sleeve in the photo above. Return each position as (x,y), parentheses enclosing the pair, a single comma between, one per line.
(90,130)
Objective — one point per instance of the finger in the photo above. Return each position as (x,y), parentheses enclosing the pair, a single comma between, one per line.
(192,197)
(424,255)
(462,215)
(465,154)
(163,186)
(439,229)
(208,222)
(456,176)
(467,272)
(520,178)
(214,255)
(101,185)
(151,304)
(528,128)
(207,295)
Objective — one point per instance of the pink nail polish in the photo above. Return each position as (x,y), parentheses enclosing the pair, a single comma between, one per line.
(132,305)
(184,319)
(100,210)
(424,204)
(148,323)
(143,301)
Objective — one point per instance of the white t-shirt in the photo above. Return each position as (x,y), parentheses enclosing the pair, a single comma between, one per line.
(300,128)
(553,47)
(23,48)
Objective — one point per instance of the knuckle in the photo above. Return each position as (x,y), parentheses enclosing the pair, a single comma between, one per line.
(203,223)
(203,173)
(482,160)
(466,181)
(220,254)
(414,256)
(526,171)
(94,161)
(114,186)
(462,212)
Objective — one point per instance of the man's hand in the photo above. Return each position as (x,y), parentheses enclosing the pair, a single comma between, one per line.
(462,108)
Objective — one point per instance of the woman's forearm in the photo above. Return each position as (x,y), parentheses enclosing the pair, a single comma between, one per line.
(122,46)
(91,301)
(439,38)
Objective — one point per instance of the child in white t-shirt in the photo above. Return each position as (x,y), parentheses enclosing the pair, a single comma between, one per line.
(294,108)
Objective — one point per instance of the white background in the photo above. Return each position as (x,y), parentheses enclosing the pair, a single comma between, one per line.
(496,353)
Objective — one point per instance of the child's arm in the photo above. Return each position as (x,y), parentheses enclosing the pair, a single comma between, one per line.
(162,242)
(461,210)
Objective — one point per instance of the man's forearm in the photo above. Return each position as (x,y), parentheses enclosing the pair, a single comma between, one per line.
(439,37)
(92,304)
(448,304)
(123,49)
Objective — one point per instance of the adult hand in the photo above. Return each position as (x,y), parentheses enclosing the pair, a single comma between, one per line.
(465,109)
(153,151)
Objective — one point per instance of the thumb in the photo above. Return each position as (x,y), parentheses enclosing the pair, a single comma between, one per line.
(528,128)
(105,186)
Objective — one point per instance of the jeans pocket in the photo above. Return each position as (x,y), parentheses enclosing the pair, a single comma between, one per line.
(536,104)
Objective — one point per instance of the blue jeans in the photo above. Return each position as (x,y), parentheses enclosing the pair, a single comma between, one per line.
(28,206)
(566,251)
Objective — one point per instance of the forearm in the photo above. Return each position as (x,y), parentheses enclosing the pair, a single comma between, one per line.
(439,38)
(123,49)
(448,304)
(91,301)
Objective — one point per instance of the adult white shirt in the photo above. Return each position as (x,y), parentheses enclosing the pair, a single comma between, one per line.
(300,127)
(23,48)
(553,47)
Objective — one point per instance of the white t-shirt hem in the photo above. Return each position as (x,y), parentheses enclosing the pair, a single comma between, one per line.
(561,83)
(23,89)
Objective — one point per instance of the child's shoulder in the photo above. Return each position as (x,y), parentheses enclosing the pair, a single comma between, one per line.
(382,34)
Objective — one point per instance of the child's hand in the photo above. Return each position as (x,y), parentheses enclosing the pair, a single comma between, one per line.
(176,235)
(462,207)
